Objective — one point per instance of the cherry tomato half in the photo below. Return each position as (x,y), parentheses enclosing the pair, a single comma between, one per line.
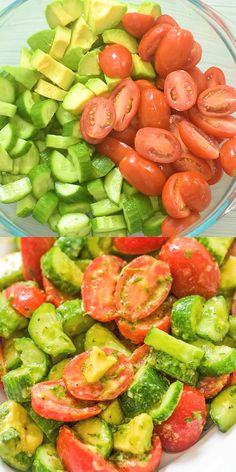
(25,297)
(137,24)
(116,61)
(217,101)
(219,127)
(194,56)
(144,84)
(188,161)
(214,76)
(87,138)
(198,142)
(174,128)
(53,294)
(217,171)
(114,149)
(151,40)
(153,110)
(167,169)
(98,118)
(173,51)
(180,90)
(138,246)
(157,145)
(228,157)
(166,20)
(148,464)
(126,99)
(160,83)
(127,136)
(32,249)
(199,79)
(211,386)
(172,227)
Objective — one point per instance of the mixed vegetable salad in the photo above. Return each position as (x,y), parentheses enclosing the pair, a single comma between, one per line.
(108,126)
(114,349)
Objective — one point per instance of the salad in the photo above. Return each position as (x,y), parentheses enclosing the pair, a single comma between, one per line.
(114,350)
(108,127)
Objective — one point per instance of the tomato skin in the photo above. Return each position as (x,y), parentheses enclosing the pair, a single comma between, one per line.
(133,301)
(153,110)
(172,198)
(214,76)
(173,51)
(174,128)
(219,127)
(125,92)
(138,245)
(195,191)
(53,294)
(157,145)
(198,142)
(180,90)
(46,403)
(127,136)
(144,84)
(228,157)
(199,79)
(32,249)
(167,169)
(176,433)
(172,227)
(193,269)
(151,41)
(143,174)
(232,379)
(189,162)
(98,287)
(166,20)
(98,118)
(121,373)
(139,356)
(116,61)
(137,24)
(194,56)
(25,298)
(114,149)
(150,465)
(217,101)
(217,171)
(211,386)
(77,457)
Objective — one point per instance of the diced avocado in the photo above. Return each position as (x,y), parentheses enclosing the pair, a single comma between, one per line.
(77,98)
(119,36)
(98,335)
(25,58)
(150,8)
(104,14)
(60,43)
(57,370)
(11,356)
(96,433)
(214,321)
(97,86)
(53,70)
(89,63)
(97,364)
(73,7)
(223,409)
(142,69)
(112,82)
(72,57)
(19,436)
(134,437)
(45,89)
(42,40)
(228,276)
(57,15)
(82,36)
(26,77)
(10,269)
(217,246)
(73,318)
(113,414)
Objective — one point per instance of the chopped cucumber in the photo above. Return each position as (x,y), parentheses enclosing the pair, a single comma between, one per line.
(223,409)
(40,177)
(113,185)
(25,206)
(162,411)
(45,207)
(43,112)
(15,191)
(62,169)
(71,193)
(7,109)
(25,103)
(74,224)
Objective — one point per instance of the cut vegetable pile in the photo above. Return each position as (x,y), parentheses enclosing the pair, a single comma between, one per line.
(114,349)
(107,127)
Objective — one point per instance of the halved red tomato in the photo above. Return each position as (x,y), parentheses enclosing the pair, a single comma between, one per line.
(217,101)
(151,40)
(166,20)
(172,227)
(138,245)
(160,83)
(158,145)
(114,383)
(149,464)
(25,297)
(99,285)
(144,84)
(174,128)
(232,379)
(116,61)
(211,386)
(137,24)
(217,171)
(194,56)
(215,76)
(52,401)
(167,169)
(173,51)
(98,118)
(126,99)
(153,110)
(190,162)
(142,287)
(127,136)
(32,249)
(198,142)
(199,79)
(180,90)
(114,149)
(53,294)
(219,127)
(139,356)
(172,198)
(228,157)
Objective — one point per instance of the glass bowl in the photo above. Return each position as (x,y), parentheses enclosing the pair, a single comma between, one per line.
(24,17)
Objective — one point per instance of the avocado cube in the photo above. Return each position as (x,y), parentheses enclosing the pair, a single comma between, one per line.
(97,86)
(134,437)
(82,36)
(142,69)
(119,36)
(97,364)
(77,98)
(103,14)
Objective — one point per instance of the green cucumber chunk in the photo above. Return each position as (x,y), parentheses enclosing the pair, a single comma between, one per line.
(223,409)
(214,321)
(113,185)
(62,169)
(57,370)
(100,336)
(185,316)
(10,269)
(25,206)
(15,191)
(71,193)
(218,360)
(45,207)
(6,163)
(217,246)
(113,413)
(47,460)
(95,432)
(70,246)
(43,112)
(172,367)
(7,90)
(96,189)
(74,224)
(162,411)
(10,320)
(104,208)
(40,177)
(73,318)
(62,271)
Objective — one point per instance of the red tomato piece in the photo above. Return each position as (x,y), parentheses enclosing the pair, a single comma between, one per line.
(150,464)
(185,426)
(157,145)
(167,169)
(137,24)
(217,101)
(172,227)
(193,269)
(143,174)
(25,297)
(215,76)
(166,20)
(127,136)
(32,249)
(99,285)
(189,162)
(160,83)
(228,157)
(232,379)
(174,128)
(194,56)
(211,386)
(144,84)
(172,198)
(52,401)
(180,90)
(219,127)
(116,61)
(151,40)
(88,139)
(142,287)
(153,110)
(198,142)
(173,51)
(114,149)
(139,245)
(116,380)
(98,118)
(77,457)
(53,294)
(139,356)
(217,171)
(195,191)
(126,99)
(199,79)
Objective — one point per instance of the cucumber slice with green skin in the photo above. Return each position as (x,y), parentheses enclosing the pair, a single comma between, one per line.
(96,433)
(72,128)
(43,323)
(71,193)
(144,206)
(108,224)
(113,414)
(47,460)
(96,189)
(41,145)
(112,234)
(128,190)
(73,318)
(53,221)
(223,409)
(72,247)
(60,142)
(45,89)
(7,109)
(132,215)
(43,112)
(69,208)
(113,185)
(62,271)
(7,90)
(42,40)
(26,77)
(17,384)
(101,165)
(6,163)
(10,354)
(8,137)
(57,370)
(10,269)
(79,343)
(3,121)
(25,103)
(217,246)
(214,321)
(147,389)
(40,177)
(161,412)
(45,207)
(15,191)
(8,178)
(74,224)
(183,352)
(83,263)
(49,427)
(172,367)
(62,169)
(104,208)
(218,360)
(100,336)
(27,162)
(10,320)
(152,226)
(185,316)
(20,149)
(25,206)
(23,129)
(80,157)
(63,116)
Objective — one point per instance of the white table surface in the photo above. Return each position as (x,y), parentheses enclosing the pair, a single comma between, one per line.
(227,9)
